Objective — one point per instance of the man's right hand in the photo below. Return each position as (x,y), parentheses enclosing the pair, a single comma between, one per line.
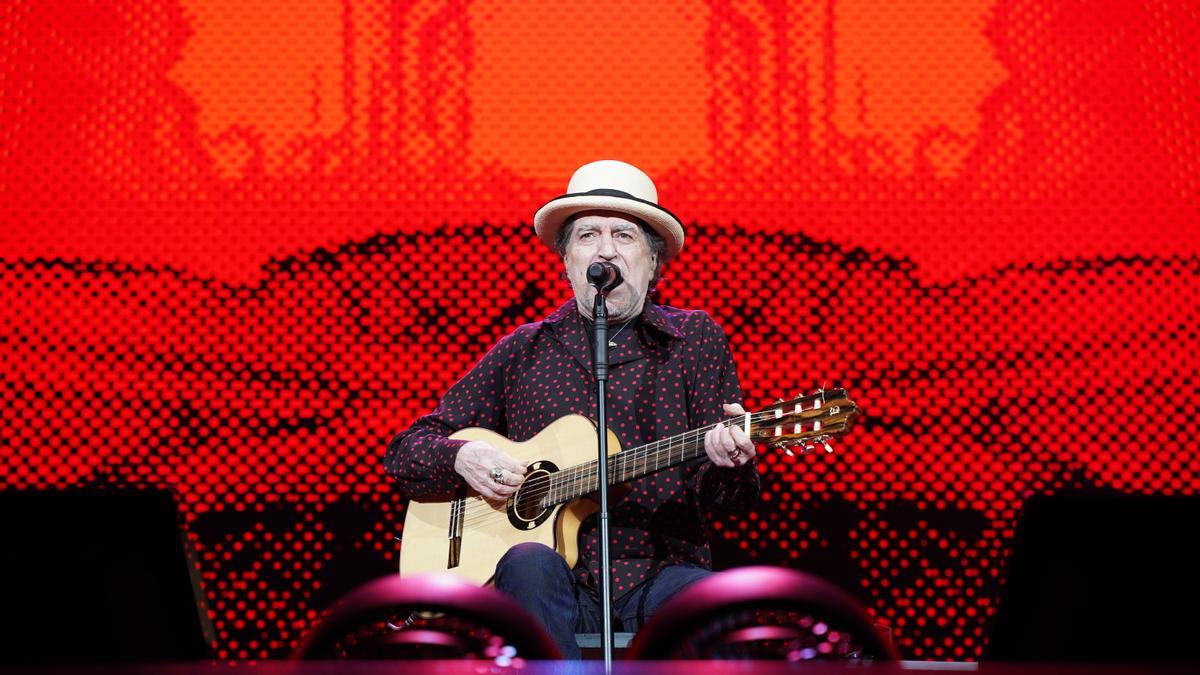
(475,461)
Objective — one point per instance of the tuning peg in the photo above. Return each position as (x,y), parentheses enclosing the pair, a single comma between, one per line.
(789,452)
(828,447)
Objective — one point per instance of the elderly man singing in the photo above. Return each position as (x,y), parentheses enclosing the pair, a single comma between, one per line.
(671,371)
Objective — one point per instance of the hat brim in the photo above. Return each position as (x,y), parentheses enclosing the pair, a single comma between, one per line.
(550,218)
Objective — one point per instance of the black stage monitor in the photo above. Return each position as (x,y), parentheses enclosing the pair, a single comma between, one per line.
(1101,577)
(97,576)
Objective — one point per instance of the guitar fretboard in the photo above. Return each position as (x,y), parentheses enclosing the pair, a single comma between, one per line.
(579,480)
(805,420)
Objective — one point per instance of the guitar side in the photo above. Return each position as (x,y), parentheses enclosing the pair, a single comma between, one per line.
(486,531)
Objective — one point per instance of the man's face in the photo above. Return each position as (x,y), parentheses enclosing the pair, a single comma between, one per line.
(608,236)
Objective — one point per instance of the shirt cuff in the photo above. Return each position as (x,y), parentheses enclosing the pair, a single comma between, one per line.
(441,453)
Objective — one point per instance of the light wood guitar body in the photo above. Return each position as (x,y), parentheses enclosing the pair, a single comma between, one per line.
(428,544)
(467,536)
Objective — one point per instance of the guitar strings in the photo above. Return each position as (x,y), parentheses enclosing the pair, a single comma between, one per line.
(584,474)
(590,476)
(574,478)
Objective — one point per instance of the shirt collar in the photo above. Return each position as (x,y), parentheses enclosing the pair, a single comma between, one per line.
(652,315)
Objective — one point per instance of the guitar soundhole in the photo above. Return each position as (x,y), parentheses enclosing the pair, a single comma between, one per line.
(529,507)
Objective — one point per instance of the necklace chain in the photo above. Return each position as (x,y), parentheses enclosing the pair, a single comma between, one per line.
(612,339)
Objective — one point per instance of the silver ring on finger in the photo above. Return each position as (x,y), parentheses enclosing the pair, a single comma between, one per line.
(498,475)
(737,452)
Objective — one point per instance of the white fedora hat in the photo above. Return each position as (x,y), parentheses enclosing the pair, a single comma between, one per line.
(609,185)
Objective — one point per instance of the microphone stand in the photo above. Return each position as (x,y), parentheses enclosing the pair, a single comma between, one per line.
(600,361)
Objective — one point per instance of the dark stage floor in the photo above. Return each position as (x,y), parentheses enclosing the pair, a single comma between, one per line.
(597,668)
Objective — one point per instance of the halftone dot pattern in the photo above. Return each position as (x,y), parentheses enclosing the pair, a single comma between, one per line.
(242,247)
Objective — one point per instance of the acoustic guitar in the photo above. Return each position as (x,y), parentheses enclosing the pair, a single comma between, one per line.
(468,535)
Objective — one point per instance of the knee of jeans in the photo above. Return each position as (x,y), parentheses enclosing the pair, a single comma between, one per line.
(529,556)
(530,566)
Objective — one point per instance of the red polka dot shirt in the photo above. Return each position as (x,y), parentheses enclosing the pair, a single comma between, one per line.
(669,373)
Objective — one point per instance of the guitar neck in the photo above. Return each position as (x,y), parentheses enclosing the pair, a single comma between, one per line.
(582,479)
(805,421)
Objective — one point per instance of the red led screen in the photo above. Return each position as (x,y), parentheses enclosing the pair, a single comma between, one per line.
(244,243)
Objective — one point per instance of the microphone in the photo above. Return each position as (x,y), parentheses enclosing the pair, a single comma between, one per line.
(605,276)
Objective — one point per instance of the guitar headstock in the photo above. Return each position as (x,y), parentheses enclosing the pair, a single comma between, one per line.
(805,422)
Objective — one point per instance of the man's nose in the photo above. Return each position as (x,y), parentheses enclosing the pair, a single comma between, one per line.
(608,246)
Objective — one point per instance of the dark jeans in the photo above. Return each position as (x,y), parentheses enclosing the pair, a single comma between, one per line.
(539,580)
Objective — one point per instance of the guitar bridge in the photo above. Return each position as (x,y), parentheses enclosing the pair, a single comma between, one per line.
(455,534)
